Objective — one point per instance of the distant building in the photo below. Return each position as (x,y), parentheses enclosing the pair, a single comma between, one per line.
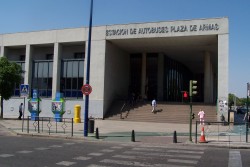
(151,60)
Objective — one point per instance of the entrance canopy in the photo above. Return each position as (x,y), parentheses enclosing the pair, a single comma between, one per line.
(187,49)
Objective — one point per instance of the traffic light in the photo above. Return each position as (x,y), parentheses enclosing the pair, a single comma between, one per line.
(192,87)
(185,95)
(193,116)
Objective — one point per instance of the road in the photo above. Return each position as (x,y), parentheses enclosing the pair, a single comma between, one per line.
(19,151)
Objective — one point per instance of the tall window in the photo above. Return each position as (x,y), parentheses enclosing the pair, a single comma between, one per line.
(72,77)
(42,77)
(16,91)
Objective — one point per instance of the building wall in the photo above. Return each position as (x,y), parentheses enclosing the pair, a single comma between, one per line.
(107,58)
(116,75)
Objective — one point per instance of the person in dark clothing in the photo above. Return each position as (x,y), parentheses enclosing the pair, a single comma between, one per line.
(20,111)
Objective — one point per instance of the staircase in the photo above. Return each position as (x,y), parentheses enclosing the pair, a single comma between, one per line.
(166,113)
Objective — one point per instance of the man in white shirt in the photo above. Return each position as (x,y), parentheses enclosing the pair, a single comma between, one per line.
(202,116)
(153,105)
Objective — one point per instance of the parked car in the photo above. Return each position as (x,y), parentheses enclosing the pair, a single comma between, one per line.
(241,110)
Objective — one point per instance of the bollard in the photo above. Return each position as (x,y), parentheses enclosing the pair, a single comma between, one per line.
(77,114)
(133,136)
(97,133)
(175,137)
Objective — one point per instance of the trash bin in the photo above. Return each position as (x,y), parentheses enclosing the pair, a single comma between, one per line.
(77,113)
(91,126)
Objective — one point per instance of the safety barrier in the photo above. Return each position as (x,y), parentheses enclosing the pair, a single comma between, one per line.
(223,131)
(50,125)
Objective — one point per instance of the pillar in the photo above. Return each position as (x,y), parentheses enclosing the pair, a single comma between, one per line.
(56,69)
(211,83)
(207,78)
(28,65)
(143,76)
(3,51)
(160,76)
(223,54)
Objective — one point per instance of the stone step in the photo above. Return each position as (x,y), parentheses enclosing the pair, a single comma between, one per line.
(172,113)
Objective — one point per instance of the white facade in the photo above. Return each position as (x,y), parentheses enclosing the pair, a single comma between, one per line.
(201,45)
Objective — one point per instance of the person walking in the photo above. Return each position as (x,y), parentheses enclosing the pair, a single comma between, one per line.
(20,111)
(201,114)
(247,119)
(153,105)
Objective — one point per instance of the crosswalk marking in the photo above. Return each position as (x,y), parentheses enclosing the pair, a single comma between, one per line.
(24,152)
(185,151)
(69,143)
(234,159)
(107,150)
(143,156)
(93,165)
(82,158)
(174,151)
(42,148)
(6,155)
(183,161)
(116,147)
(55,146)
(66,163)
(131,163)
(96,154)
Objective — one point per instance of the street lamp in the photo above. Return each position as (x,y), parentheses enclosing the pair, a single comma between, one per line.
(86,115)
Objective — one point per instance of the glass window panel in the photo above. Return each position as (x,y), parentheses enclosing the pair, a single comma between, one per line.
(64,69)
(50,69)
(68,83)
(50,83)
(45,70)
(80,83)
(75,69)
(69,69)
(74,83)
(81,69)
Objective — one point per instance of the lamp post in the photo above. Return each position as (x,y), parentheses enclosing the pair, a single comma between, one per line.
(248,94)
(87,73)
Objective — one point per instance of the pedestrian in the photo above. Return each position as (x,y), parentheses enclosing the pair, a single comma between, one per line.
(247,119)
(20,111)
(153,105)
(201,114)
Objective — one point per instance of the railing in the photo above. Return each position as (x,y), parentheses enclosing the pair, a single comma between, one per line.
(123,106)
(50,125)
(224,131)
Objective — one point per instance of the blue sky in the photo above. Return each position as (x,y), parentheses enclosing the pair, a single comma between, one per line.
(34,15)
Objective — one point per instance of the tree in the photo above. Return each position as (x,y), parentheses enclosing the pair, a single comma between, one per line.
(10,75)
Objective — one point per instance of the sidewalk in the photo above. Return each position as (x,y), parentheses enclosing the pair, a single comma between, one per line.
(119,131)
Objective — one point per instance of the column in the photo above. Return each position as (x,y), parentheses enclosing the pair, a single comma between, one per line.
(56,69)
(211,84)
(207,78)
(160,76)
(143,76)
(28,65)
(223,53)
(3,51)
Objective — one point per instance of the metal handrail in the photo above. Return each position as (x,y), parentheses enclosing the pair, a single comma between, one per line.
(50,122)
(225,129)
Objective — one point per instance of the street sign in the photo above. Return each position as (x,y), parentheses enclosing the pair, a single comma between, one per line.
(86,89)
(24,90)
